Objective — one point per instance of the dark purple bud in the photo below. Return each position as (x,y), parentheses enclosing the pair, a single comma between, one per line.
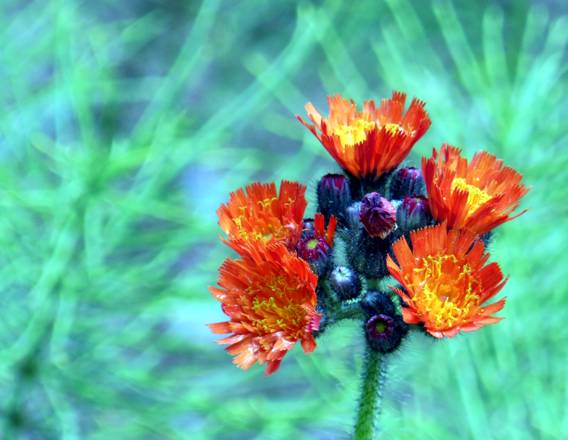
(353,215)
(407,182)
(375,302)
(413,213)
(315,251)
(345,282)
(377,215)
(334,196)
(367,255)
(385,332)
(380,326)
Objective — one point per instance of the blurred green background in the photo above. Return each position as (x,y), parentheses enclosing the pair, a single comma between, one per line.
(124,124)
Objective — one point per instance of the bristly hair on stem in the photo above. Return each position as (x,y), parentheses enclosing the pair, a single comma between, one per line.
(373,379)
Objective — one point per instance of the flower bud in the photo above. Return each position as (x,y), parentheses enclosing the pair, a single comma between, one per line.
(315,251)
(367,255)
(407,182)
(413,213)
(345,282)
(377,215)
(334,196)
(353,215)
(384,332)
(375,302)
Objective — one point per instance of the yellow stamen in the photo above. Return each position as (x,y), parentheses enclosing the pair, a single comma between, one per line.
(266,203)
(475,196)
(445,291)
(353,133)
(272,316)
(393,128)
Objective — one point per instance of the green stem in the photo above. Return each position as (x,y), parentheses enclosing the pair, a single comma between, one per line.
(369,405)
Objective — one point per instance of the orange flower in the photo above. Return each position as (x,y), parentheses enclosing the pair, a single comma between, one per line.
(477,196)
(258,214)
(445,281)
(270,298)
(370,143)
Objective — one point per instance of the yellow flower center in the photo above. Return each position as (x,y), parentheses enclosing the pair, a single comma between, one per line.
(446,291)
(356,131)
(275,313)
(475,196)
(353,133)
(260,224)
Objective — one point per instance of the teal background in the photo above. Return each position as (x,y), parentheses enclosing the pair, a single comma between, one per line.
(123,126)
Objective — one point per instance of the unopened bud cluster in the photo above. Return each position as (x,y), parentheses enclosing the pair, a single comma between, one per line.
(369,221)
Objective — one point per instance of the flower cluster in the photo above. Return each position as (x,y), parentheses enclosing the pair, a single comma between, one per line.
(425,228)
(269,293)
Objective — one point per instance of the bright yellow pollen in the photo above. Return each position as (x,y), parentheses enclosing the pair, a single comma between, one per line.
(475,196)
(445,294)
(274,316)
(353,133)
(393,128)
(253,225)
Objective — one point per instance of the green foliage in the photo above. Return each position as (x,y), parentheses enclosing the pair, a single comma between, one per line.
(125,124)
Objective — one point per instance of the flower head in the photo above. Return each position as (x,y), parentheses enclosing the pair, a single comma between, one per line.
(446,281)
(370,143)
(258,214)
(270,298)
(377,215)
(477,196)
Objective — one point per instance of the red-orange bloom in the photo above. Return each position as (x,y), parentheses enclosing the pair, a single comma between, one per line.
(270,298)
(477,196)
(258,214)
(370,143)
(446,281)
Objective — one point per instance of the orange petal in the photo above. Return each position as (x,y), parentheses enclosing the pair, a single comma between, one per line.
(308,344)
(494,308)
(271,367)
(245,359)
(220,327)
(409,316)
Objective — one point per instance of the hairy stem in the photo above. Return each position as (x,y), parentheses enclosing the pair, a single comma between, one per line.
(369,405)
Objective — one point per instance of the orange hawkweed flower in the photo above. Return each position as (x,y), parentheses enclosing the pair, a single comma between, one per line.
(270,298)
(259,214)
(446,281)
(477,196)
(370,143)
